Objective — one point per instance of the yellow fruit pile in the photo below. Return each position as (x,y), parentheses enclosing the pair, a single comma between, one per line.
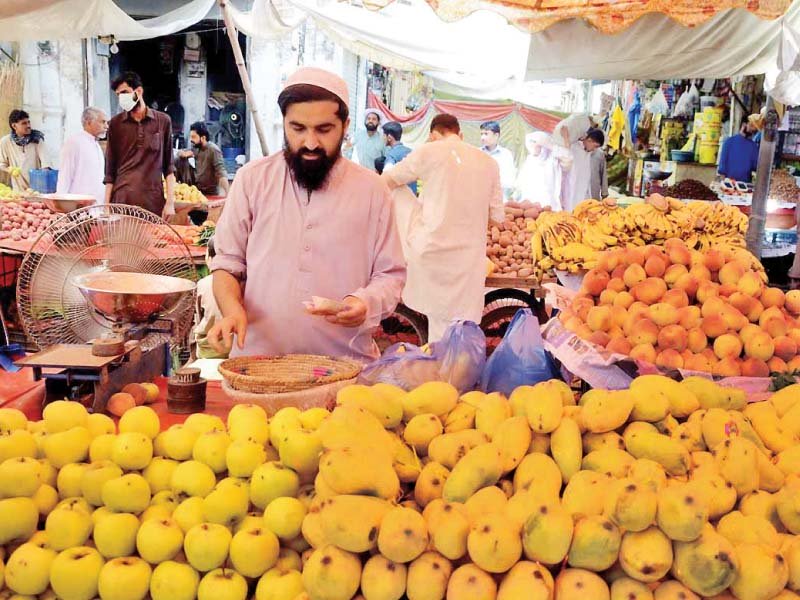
(571,241)
(666,490)
(684,309)
(187,193)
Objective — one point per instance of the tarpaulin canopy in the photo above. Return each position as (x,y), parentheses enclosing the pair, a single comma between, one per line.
(607,16)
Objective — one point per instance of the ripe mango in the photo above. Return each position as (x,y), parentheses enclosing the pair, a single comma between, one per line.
(580,584)
(682,402)
(430,483)
(763,504)
(428,576)
(460,418)
(785,399)
(707,565)
(737,459)
(450,530)
(352,522)
(649,403)
(436,397)
(469,581)
(768,426)
(526,580)
(787,503)
(600,441)
(405,461)
(646,555)
(642,440)
(711,395)
(544,408)
(538,471)
(595,544)
(763,572)
(626,588)
(382,579)
(485,501)
(585,494)
(674,590)
(614,463)
(347,425)
(741,529)
(719,494)
(359,470)
(482,466)
(332,574)
(631,505)
(447,449)
(681,512)
(547,533)
(403,535)
(420,430)
(605,410)
(566,448)
(386,407)
(649,472)
(492,410)
(494,543)
(513,436)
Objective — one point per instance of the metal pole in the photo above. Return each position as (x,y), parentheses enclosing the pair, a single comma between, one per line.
(766,155)
(794,272)
(85,73)
(233,36)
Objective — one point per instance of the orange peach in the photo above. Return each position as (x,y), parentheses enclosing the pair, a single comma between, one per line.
(676,297)
(619,345)
(609,260)
(710,356)
(733,318)
(615,332)
(731,273)
(653,250)
(793,365)
(700,272)
(748,331)
(584,332)
(755,312)
(663,314)
(631,322)
(690,317)
(595,281)
(696,340)
(742,302)
(599,318)
(714,326)
(792,302)
(752,367)
(726,290)
(644,332)
(650,291)
(698,362)
(655,266)
(618,316)
(619,271)
(138,392)
(794,333)
(673,337)
(679,255)
(688,284)
(772,296)
(713,306)
(785,347)
(727,345)
(616,284)
(572,324)
(706,290)
(600,338)
(607,297)
(638,308)
(714,260)
(669,359)
(635,256)
(119,403)
(728,367)
(750,283)
(698,258)
(760,346)
(634,275)
(623,300)
(775,326)
(777,365)
(673,273)
(643,352)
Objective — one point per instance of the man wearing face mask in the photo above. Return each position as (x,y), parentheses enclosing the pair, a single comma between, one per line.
(82,162)
(22,150)
(139,151)
(369,143)
(208,171)
(306,222)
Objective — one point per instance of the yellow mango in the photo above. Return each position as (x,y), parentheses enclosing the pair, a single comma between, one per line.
(490,412)
(420,430)
(449,448)
(566,448)
(436,397)
(682,513)
(711,395)
(737,459)
(460,418)
(547,533)
(707,565)
(428,576)
(646,555)
(631,505)
(494,543)
(482,466)
(643,441)
(580,584)
(430,483)
(604,411)
(614,463)
(526,580)
(358,470)
(681,404)
(538,471)
(352,522)
(513,436)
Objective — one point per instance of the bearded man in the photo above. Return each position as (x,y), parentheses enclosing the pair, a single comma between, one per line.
(306,222)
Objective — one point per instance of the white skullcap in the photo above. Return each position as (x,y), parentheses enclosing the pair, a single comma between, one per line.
(321,79)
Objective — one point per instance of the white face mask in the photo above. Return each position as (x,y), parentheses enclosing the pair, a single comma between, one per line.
(127,101)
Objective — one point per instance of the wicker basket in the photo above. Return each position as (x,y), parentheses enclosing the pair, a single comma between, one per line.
(289,373)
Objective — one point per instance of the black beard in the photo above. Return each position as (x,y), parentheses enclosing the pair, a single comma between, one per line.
(310,174)
(371,126)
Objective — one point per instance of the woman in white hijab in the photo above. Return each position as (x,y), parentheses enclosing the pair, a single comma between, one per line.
(540,178)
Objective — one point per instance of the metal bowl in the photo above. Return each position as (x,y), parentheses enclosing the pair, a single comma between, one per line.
(132,297)
(64,203)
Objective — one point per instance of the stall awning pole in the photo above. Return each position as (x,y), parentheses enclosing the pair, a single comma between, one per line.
(766,155)
(233,36)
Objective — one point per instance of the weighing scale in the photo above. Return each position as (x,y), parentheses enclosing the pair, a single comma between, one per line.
(105,292)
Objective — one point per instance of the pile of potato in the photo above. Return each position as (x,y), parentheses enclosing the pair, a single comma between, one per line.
(508,244)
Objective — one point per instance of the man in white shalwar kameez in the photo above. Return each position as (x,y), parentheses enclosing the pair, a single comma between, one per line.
(446,247)
(539,178)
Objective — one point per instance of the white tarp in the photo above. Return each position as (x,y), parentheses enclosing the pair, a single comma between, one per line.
(57,19)
(655,47)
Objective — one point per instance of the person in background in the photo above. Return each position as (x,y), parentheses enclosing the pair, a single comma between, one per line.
(738,157)
(446,249)
(139,151)
(301,223)
(540,177)
(572,130)
(598,178)
(82,166)
(396,150)
(369,143)
(490,144)
(203,165)
(207,311)
(22,150)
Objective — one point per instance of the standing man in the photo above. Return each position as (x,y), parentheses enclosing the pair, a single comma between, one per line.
(738,157)
(82,162)
(208,171)
(397,151)
(490,140)
(369,143)
(139,151)
(22,150)
(302,223)
(598,178)
(446,246)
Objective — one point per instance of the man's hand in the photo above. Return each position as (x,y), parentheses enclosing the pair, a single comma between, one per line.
(353,315)
(169,211)
(220,336)
(185,154)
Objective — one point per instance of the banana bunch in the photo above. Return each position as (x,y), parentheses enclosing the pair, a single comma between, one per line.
(602,223)
(718,219)
(575,256)
(555,229)
(651,223)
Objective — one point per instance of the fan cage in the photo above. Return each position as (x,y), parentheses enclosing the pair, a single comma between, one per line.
(114,237)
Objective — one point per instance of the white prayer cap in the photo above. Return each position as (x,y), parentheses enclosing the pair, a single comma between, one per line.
(321,79)
(540,138)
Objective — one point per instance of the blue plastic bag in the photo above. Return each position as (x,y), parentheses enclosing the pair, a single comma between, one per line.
(458,358)
(520,358)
